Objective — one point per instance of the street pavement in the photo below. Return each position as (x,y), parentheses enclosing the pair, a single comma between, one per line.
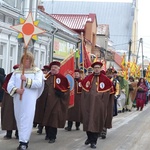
(131,131)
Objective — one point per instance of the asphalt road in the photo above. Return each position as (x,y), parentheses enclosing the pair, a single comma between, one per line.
(131,131)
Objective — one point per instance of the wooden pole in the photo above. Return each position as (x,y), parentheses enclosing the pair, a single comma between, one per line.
(23,67)
(82,39)
(142,58)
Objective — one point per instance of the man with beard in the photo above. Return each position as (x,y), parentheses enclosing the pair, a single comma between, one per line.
(97,104)
(74,113)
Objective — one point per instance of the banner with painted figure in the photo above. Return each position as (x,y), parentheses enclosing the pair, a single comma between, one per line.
(123,62)
(148,73)
(67,69)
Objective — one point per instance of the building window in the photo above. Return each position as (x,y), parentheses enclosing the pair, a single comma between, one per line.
(1,54)
(1,49)
(11,51)
(1,62)
(9,20)
(36,57)
(2,17)
(12,57)
(14,3)
(42,59)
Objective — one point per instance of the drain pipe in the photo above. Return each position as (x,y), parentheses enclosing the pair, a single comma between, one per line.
(51,45)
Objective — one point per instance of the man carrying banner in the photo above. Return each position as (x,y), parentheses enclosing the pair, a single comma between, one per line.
(97,104)
(74,113)
(56,93)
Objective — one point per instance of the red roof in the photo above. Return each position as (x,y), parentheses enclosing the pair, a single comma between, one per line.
(74,21)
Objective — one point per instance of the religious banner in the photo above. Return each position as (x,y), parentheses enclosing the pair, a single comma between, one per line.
(148,73)
(27,30)
(123,62)
(67,69)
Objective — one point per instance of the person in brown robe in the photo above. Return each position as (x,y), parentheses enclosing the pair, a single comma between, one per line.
(56,95)
(111,74)
(96,104)
(74,113)
(132,92)
(40,106)
(8,121)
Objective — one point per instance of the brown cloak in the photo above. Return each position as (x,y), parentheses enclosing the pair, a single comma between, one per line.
(8,121)
(97,106)
(40,107)
(132,90)
(56,107)
(74,113)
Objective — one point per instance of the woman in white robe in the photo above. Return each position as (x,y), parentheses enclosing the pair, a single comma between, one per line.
(25,98)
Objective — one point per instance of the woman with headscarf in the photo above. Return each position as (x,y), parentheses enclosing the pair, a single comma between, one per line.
(141,94)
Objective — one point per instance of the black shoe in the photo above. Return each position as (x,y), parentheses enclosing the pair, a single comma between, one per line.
(16,134)
(67,128)
(103,136)
(51,141)
(34,125)
(46,138)
(6,137)
(93,145)
(39,131)
(22,147)
(87,142)
(77,128)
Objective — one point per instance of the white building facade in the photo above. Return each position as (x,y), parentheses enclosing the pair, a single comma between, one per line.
(11,49)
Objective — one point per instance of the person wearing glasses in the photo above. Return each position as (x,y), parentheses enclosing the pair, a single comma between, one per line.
(97,100)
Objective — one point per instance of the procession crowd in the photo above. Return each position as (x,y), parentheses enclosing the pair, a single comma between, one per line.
(33,97)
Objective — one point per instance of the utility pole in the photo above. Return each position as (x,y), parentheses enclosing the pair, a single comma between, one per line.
(141,43)
(130,42)
(138,51)
(142,58)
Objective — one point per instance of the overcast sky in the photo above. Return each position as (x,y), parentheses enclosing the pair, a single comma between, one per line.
(94,0)
(144,25)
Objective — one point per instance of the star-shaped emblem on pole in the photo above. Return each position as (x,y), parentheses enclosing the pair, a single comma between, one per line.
(28,29)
